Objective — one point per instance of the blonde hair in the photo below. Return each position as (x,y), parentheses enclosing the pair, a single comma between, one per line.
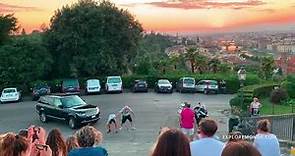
(72,143)
(263,125)
(88,136)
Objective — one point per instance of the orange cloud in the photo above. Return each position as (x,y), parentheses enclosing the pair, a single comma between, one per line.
(6,8)
(205,4)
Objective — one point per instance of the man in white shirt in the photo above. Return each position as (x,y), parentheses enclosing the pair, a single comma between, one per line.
(207,145)
(126,112)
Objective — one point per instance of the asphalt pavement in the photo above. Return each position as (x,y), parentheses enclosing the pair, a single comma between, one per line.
(152,111)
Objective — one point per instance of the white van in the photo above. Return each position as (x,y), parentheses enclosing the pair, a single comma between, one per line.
(93,86)
(114,84)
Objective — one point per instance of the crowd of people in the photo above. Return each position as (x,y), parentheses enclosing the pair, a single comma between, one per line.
(172,142)
(34,141)
(196,137)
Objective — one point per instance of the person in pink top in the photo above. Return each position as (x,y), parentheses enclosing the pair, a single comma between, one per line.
(187,121)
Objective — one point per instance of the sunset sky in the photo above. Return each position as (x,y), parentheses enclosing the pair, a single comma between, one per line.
(175,15)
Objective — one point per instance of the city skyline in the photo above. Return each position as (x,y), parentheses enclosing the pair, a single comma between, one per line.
(170,16)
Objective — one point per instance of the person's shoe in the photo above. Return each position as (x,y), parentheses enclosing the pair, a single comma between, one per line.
(109,131)
(120,128)
(133,128)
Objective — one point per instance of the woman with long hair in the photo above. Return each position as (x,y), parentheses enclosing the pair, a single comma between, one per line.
(15,145)
(56,142)
(172,143)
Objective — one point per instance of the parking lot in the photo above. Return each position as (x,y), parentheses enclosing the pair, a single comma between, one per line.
(152,111)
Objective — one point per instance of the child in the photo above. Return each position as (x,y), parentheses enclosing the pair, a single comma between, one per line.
(112,124)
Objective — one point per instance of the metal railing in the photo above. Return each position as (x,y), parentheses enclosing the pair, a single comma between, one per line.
(283,126)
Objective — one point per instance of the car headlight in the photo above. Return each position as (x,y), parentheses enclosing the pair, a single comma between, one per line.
(97,110)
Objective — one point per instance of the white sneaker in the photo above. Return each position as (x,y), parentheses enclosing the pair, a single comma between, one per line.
(120,128)
(133,128)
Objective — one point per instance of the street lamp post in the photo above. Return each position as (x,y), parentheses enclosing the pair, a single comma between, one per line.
(242,78)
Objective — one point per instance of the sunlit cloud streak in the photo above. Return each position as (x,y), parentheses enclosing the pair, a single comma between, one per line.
(8,8)
(202,4)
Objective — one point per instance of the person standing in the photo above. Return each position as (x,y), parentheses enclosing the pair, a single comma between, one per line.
(255,106)
(187,121)
(126,112)
(207,145)
(266,142)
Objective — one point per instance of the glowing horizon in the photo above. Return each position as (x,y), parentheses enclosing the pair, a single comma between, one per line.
(174,15)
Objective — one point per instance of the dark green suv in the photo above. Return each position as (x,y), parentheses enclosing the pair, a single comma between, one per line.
(71,109)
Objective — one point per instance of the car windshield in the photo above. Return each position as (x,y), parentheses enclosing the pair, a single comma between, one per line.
(9,91)
(188,81)
(72,101)
(39,86)
(163,82)
(140,81)
(70,83)
(114,80)
(212,82)
(93,82)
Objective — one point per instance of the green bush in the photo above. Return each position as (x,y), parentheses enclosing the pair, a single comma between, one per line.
(238,102)
(289,85)
(260,90)
(279,95)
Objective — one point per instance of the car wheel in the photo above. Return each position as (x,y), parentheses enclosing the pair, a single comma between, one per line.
(72,123)
(43,117)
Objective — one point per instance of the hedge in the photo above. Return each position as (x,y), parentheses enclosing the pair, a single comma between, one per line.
(246,94)
(260,90)
(289,85)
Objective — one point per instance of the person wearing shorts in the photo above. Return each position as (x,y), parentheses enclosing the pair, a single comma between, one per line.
(112,124)
(126,112)
(187,121)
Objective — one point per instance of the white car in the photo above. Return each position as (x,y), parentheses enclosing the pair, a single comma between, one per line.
(114,84)
(207,86)
(93,86)
(163,86)
(10,95)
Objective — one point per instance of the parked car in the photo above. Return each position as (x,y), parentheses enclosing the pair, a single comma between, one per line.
(114,84)
(40,90)
(207,86)
(140,86)
(10,95)
(71,109)
(163,86)
(186,84)
(70,86)
(93,86)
